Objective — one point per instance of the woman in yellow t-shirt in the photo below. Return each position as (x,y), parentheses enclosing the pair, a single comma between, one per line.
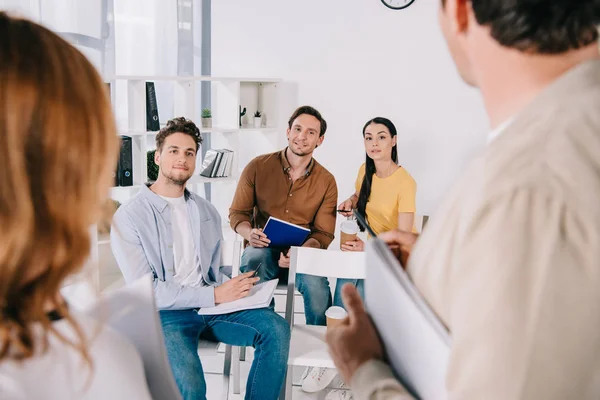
(385,192)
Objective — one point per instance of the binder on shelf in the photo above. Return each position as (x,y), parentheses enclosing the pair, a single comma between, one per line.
(217,163)
(213,173)
(208,163)
(284,234)
(152,122)
(224,163)
(229,165)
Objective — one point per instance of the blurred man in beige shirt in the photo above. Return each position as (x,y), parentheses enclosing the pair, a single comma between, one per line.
(511,261)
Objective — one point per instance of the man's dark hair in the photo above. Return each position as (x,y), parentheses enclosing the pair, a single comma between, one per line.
(181,125)
(310,111)
(540,26)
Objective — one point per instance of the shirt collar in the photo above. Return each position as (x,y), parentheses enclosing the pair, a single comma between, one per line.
(499,130)
(286,164)
(158,202)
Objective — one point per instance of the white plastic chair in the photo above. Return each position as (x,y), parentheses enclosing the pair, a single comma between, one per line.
(308,347)
(238,353)
(420,222)
(231,254)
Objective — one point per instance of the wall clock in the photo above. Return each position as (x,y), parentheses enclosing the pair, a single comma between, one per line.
(397,4)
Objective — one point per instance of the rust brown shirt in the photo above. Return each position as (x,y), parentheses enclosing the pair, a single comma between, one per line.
(265,189)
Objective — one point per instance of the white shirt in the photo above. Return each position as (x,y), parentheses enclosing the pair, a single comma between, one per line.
(186,263)
(117,371)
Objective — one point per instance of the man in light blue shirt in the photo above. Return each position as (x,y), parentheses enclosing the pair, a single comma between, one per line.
(176,236)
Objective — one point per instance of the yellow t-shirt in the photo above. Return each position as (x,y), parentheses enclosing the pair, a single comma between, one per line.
(389,197)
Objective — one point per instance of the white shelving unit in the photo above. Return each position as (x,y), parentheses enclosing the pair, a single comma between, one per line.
(128,95)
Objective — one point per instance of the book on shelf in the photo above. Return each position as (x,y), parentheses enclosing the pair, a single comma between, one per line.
(217,163)
(152,121)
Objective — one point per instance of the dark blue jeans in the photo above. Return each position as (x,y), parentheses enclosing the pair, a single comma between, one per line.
(262,329)
(359,284)
(314,289)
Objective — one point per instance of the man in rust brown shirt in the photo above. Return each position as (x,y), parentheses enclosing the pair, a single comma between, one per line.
(290,185)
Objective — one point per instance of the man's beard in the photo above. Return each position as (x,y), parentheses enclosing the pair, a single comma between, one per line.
(300,153)
(172,179)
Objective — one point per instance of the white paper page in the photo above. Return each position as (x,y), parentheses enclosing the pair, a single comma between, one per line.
(260,296)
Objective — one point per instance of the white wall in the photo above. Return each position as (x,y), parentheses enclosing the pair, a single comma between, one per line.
(354,60)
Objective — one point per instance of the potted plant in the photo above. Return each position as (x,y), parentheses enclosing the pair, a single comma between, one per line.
(206,118)
(257,119)
(152,167)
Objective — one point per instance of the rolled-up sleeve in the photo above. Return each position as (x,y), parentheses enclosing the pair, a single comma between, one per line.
(243,202)
(131,258)
(323,225)
(374,380)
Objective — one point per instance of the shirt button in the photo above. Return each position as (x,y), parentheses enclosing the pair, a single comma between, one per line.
(170,269)
(286,210)
(170,246)
(290,195)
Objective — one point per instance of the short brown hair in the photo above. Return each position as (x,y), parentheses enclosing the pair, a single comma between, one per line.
(310,111)
(179,125)
(542,27)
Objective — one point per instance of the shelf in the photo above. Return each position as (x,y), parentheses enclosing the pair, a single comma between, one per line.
(235,130)
(136,134)
(199,78)
(202,179)
(104,239)
(218,130)
(263,129)
(126,187)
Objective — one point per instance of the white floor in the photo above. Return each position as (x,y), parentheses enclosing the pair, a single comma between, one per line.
(214,379)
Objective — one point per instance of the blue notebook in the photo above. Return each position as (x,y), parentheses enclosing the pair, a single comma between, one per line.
(284,234)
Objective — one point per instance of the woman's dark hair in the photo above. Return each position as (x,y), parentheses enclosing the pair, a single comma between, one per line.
(365,188)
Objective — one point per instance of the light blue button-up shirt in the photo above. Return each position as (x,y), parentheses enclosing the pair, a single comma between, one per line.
(142,242)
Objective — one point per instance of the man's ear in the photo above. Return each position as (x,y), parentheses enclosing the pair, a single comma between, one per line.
(320,141)
(458,12)
(157,157)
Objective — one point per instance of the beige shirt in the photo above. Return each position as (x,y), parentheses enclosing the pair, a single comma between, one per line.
(511,263)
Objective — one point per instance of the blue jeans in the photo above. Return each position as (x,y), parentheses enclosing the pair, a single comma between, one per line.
(359,284)
(266,331)
(314,289)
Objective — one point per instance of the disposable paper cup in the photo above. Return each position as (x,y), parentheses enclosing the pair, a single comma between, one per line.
(335,315)
(348,232)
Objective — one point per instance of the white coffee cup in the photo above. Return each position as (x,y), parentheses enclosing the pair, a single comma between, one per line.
(335,315)
(348,232)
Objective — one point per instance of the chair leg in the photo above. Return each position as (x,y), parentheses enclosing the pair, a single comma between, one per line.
(226,372)
(235,359)
(243,353)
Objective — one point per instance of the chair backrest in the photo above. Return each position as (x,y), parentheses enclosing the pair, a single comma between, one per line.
(231,254)
(328,263)
(420,222)
(325,263)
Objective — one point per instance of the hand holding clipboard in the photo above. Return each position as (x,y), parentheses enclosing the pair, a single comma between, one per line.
(399,242)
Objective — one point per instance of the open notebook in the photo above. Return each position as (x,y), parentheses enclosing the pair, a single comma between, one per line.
(417,344)
(260,296)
